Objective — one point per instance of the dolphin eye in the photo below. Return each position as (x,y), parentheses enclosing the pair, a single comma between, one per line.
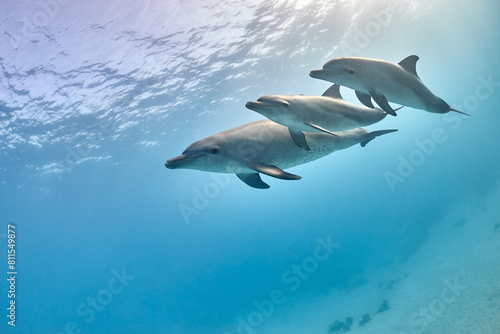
(348,71)
(214,150)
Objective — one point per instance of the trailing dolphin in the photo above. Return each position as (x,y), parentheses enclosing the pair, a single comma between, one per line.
(263,147)
(326,113)
(383,81)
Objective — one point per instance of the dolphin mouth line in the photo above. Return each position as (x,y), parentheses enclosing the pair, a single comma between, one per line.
(257,104)
(178,161)
(182,159)
(320,74)
(317,73)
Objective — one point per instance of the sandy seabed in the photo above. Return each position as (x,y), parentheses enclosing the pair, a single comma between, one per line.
(450,285)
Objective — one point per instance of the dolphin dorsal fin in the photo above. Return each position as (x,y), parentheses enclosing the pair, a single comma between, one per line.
(410,65)
(333,91)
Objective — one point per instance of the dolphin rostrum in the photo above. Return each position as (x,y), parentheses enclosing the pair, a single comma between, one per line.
(326,113)
(263,147)
(383,81)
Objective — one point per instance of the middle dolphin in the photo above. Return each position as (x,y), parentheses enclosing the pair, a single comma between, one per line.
(326,113)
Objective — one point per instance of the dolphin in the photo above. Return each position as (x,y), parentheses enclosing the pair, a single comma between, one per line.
(326,113)
(263,147)
(383,81)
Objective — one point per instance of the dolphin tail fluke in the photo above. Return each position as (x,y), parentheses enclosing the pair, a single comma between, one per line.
(458,111)
(376,134)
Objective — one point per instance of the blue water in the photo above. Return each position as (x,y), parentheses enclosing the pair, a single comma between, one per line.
(95,96)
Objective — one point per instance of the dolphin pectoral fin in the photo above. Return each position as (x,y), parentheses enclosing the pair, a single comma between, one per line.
(375,134)
(366,99)
(299,139)
(333,91)
(314,126)
(458,111)
(274,172)
(383,103)
(253,180)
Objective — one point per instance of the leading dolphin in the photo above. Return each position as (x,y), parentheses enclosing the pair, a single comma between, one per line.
(383,81)
(263,147)
(326,113)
